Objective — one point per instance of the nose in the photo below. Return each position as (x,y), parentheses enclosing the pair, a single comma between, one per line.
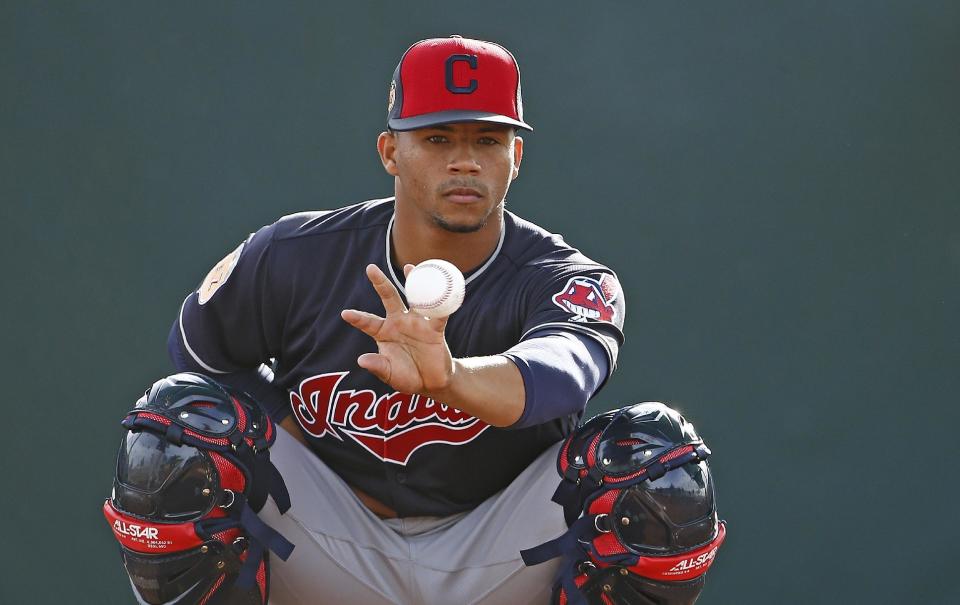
(463,161)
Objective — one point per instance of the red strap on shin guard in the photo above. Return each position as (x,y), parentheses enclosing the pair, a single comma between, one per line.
(151,538)
(686,566)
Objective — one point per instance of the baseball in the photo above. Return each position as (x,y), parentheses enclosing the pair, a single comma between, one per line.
(435,288)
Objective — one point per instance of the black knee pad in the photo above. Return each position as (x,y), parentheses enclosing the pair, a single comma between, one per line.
(193,470)
(639,500)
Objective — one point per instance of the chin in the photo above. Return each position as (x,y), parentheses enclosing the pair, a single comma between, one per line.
(458,226)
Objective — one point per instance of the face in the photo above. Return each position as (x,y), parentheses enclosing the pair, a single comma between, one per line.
(454,175)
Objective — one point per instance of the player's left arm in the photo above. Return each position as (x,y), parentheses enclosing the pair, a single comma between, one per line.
(413,357)
(552,373)
(572,334)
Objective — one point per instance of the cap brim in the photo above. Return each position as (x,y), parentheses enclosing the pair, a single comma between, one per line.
(451,117)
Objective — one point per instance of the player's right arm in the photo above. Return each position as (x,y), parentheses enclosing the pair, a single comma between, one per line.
(230,325)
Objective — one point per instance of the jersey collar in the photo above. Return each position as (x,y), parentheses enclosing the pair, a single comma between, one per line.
(467,278)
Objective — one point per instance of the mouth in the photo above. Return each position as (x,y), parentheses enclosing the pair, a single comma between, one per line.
(462,195)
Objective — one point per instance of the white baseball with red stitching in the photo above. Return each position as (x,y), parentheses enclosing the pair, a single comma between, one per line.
(435,288)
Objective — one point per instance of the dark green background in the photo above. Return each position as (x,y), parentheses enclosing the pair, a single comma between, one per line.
(775,183)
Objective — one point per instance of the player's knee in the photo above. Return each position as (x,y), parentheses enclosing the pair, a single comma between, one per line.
(191,473)
(639,498)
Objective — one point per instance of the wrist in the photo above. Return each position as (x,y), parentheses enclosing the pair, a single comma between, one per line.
(488,388)
(445,392)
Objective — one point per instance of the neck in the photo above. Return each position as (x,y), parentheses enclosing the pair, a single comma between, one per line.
(415,240)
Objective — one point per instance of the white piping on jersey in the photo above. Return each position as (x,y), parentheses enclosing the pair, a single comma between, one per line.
(583,330)
(186,344)
(496,252)
(474,275)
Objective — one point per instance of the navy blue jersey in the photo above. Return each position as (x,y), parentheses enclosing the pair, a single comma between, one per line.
(279,295)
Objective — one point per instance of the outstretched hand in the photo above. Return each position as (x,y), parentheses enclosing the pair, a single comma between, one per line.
(413,355)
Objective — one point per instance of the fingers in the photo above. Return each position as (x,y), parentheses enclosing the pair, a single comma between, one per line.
(376,364)
(437,324)
(407,269)
(368,323)
(388,294)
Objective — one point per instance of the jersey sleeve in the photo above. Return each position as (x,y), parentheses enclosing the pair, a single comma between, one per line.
(561,371)
(231,321)
(577,298)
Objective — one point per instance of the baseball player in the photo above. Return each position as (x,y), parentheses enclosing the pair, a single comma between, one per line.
(419,453)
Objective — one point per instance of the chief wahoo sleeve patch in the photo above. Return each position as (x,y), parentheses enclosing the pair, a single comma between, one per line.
(589,299)
(218,275)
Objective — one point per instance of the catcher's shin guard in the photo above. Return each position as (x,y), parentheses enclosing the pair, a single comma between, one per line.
(618,586)
(639,502)
(193,470)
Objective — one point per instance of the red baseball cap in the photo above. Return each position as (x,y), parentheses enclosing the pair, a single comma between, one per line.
(455,79)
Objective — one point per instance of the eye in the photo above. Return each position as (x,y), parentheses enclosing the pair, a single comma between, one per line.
(437,138)
(488,141)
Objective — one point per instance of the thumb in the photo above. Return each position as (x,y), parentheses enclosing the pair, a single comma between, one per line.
(376,364)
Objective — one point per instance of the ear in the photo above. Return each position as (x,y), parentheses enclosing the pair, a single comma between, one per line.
(387,148)
(517,155)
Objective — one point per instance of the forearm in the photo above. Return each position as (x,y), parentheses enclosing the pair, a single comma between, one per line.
(272,399)
(550,375)
(489,388)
